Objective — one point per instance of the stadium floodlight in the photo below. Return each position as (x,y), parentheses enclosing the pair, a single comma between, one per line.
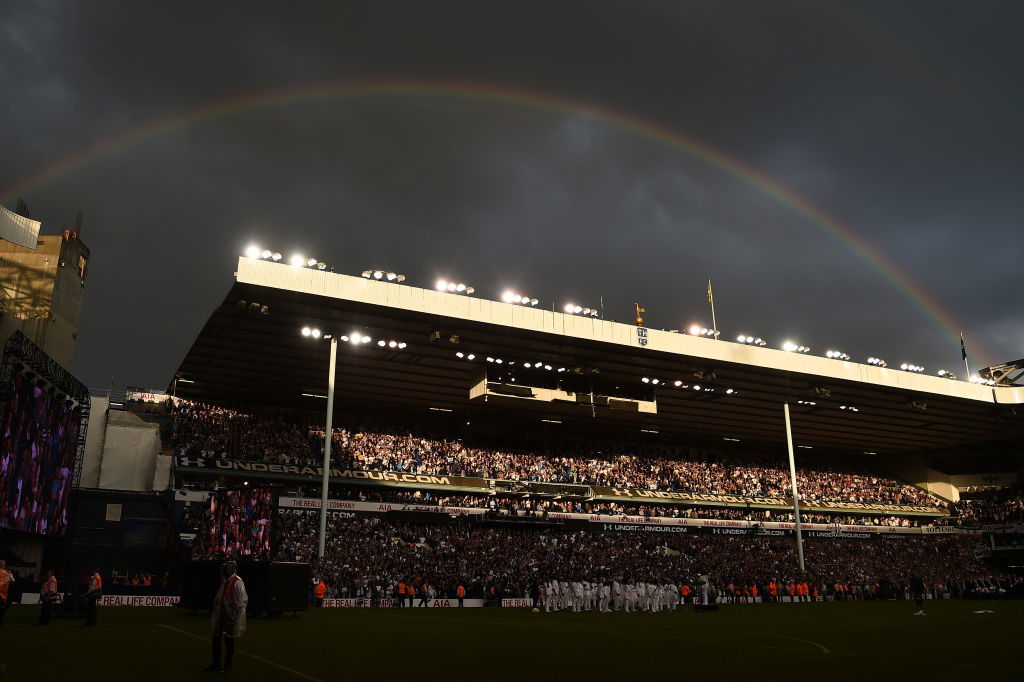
(794,347)
(454,287)
(751,340)
(806,402)
(297,260)
(976,379)
(253,251)
(849,408)
(877,362)
(677,383)
(730,391)
(911,367)
(947,375)
(574,309)
(513,297)
(471,357)
(311,262)
(306,331)
(837,355)
(696,387)
(460,354)
(344,337)
(276,256)
(697,330)
(266,254)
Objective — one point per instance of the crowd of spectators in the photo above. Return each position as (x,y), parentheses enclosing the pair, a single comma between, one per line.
(369,555)
(208,431)
(996,507)
(539,506)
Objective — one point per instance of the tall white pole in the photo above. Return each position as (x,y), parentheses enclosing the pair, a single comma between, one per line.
(796,493)
(711,300)
(963,351)
(328,433)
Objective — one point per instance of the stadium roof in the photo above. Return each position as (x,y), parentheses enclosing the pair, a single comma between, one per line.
(244,355)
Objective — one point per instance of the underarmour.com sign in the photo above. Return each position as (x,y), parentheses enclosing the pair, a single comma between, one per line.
(641,336)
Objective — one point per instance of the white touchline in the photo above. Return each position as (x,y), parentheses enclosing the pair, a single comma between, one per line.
(244,653)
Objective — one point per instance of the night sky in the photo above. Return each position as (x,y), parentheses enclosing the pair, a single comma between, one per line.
(848,173)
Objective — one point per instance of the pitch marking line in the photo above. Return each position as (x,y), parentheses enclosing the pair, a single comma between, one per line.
(243,653)
(645,635)
(824,649)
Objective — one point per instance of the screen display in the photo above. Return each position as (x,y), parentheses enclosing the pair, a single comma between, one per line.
(239,523)
(40,440)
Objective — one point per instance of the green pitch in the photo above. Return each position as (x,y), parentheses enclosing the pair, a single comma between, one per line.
(855,641)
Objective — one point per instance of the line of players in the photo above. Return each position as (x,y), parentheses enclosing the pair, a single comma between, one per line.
(578,595)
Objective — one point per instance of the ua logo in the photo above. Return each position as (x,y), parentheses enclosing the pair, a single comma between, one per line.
(191,462)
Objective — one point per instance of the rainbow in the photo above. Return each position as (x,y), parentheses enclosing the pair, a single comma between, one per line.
(842,234)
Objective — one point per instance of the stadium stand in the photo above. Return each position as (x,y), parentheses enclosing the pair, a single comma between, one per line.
(364,553)
(209,431)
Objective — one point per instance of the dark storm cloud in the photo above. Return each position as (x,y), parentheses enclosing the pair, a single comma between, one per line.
(898,121)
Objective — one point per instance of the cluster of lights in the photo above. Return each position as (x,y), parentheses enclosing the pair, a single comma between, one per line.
(303,262)
(513,297)
(806,402)
(453,287)
(678,383)
(512,363)
(751,341)
(574,309)
(850,408)
(256,253)
(383,274)
(697,330)
(355,338)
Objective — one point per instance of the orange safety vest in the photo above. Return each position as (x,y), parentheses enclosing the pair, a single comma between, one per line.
(147,580)
(461,592)
(5,581)
(321,590)
(685,590)
(753,590)
(401,588)
(410,590)
(96,582)
(50,588)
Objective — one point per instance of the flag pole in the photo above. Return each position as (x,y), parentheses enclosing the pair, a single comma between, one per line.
(711,300)
(963,352)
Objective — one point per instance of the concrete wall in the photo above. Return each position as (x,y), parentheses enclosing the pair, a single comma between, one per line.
(130,453)
(915,470)
(94,442)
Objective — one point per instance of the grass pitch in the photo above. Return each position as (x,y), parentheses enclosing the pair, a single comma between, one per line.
(832,641)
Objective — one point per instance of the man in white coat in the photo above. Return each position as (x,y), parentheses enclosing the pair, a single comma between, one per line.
(228,618)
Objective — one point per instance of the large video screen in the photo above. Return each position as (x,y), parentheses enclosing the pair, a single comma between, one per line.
(239,523)
(37,456)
